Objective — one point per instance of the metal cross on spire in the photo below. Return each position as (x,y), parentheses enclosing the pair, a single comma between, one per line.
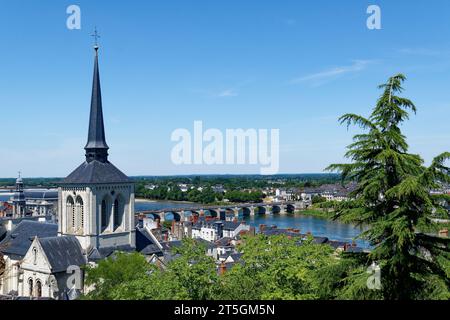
(19,173)
(96,36)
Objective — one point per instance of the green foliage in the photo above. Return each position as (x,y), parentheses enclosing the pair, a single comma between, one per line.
(190,275)
(393,199)
(243,196)
(318,199)
(277,267)
(173,192)
(113,272)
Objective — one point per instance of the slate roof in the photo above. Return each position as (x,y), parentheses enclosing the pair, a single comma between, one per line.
(167,246)
(235,256)
(19,240)
(102,253)
(151,249)
(96,135)
(230,225)
(224,242)
(41,194)
(96,172)
(62,252)
(206,243)
(145,243)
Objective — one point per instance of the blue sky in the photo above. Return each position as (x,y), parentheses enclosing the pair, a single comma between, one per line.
(291,65)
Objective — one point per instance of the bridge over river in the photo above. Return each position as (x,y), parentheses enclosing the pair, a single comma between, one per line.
(241,209)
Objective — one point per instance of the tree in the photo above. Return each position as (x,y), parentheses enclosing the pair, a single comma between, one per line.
(114,271)
(393,199)
(318,199)
(191,274)
(208,195)
(277,267)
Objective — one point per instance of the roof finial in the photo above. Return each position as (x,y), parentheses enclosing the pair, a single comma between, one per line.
(96,36)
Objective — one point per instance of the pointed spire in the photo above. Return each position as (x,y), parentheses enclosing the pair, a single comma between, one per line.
(96,147)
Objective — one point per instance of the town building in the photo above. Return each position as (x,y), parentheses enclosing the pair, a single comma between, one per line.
(95,219)
(96,201)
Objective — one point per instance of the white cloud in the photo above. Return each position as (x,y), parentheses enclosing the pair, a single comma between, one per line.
(322,77)
(227,93)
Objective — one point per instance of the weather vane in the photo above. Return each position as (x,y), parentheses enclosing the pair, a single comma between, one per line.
(96,36)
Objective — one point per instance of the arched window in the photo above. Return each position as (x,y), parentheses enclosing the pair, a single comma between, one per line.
(30,287)
(118,211)
(38,289)
(70,209)
(80,213)
(105,214)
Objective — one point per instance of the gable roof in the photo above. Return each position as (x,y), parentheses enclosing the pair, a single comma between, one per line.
(231,225)
(19,240)
(62,252)
(102,253)
(96,172)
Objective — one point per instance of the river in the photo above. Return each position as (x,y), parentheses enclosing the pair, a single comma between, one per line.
(319,227)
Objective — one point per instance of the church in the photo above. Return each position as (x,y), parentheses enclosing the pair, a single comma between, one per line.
(95,219)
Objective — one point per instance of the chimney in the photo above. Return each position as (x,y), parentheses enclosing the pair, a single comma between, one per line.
(158,223)
(166,236)
(173,226)
(222,268)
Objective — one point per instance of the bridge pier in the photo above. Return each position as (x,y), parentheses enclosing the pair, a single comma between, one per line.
(283,210)
(182,215)
(252,211)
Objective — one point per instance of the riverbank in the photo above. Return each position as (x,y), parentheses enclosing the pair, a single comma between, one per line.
(164,201)
(316,213)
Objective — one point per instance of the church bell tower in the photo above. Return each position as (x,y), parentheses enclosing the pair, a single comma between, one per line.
(96,201)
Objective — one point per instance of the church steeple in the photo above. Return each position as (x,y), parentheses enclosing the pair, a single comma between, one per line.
(96,147)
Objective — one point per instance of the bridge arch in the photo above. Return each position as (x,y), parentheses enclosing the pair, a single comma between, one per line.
(290,208)
(260,210)
(276,209)
(172,215)
(212,213)
(153,216)
(246,211)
